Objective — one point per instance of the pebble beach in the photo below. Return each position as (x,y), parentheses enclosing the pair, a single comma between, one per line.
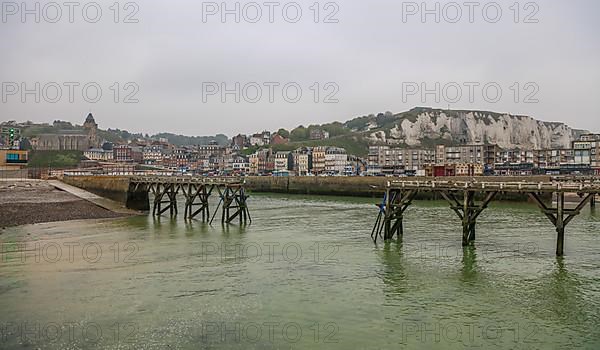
(25,202)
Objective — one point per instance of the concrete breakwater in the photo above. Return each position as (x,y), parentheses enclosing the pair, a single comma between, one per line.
(117,187)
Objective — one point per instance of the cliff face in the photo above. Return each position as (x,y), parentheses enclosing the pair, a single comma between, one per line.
(421,125)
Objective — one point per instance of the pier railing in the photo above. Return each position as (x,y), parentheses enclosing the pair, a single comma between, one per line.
(589,186)
(203,180)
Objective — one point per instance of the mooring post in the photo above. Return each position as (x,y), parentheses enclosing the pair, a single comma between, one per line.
(593,202)
(560,223)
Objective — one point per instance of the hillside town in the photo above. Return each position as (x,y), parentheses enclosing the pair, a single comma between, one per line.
(262,154)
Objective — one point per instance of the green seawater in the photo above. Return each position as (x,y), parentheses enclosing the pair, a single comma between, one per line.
(304,275)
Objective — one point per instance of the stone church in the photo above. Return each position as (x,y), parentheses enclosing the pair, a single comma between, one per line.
(70,140)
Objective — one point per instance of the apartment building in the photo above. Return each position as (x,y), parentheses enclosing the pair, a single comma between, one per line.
(415,159)
(283,161)
(586,150)
(318,160)
(154,154)
(547,159)
(336,160)
(262,162)
(388,160)
(127,154)
(302,161)
(240,164)
(483,154)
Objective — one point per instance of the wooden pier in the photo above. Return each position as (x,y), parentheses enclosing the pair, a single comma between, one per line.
(461,197)
(197,192)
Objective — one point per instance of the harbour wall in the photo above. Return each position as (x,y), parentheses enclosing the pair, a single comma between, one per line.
(113,187)
(117,187)
(367,186)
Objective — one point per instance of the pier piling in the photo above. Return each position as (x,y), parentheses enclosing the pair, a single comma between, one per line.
(399,195)
(396,203)
(197,192)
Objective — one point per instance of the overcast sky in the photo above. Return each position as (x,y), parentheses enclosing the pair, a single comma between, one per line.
(371,58)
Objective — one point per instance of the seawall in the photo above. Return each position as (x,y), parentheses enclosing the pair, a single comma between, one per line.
(116,187)
(362,186)
(113,187)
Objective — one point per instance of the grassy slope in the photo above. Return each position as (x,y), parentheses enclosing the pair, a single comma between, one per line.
(54,159)
(353,143)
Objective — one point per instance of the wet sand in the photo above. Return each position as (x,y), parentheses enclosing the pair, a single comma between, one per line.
(32,202)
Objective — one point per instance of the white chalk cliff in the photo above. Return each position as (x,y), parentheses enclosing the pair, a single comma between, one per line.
(508,131)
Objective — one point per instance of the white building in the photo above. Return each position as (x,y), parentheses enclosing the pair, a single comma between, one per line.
(257,140)
(336,160)
(240,165)
(282,161)
(153,154)
(99,154)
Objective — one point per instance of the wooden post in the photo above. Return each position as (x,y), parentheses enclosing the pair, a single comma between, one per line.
(241,208)
(466,219)
(388,214)
(396,203)
(560,223)
(158,195)
(401,227)
(224,199)
(205,212)
(189,198)
(172,200)
(378,226)
(199,197)
(593,202)
(560,217)
(399,216)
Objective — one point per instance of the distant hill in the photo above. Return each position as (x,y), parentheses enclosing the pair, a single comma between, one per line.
(181,140)
(30,130)
(418,127)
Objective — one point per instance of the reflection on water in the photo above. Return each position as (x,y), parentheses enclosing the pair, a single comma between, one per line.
(304,275)
(469,270)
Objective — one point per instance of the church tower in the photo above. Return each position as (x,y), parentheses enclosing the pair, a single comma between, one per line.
(91,128)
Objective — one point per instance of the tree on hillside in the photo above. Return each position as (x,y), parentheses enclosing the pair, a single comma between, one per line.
(284,133)
(299,134)
(336,129)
